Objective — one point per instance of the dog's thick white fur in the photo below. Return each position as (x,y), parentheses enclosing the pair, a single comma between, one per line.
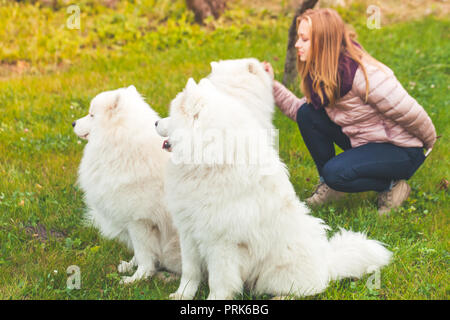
(253,88)
(122,176)
(242,226)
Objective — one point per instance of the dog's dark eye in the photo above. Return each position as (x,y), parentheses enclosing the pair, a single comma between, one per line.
(91,115)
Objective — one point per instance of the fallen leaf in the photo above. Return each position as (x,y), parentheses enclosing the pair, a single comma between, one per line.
(443,185)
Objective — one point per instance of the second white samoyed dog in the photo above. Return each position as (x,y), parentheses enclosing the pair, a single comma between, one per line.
(237,223)
(253,87)
(122,176)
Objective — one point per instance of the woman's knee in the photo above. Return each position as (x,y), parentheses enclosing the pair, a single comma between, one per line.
(332,175)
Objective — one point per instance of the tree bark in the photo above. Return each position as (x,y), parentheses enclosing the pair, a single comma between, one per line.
(290,64)
(205,8)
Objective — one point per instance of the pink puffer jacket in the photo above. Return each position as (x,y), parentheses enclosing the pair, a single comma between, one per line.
(390,114)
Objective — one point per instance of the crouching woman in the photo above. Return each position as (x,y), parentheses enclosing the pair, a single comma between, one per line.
(354,101)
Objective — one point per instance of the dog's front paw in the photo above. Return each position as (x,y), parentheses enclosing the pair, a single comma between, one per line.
(178,296)
(127,280)
(219,296)
(125,266)
(283,298)
(141,273)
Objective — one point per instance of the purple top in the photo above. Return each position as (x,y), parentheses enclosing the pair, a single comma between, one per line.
(347,69)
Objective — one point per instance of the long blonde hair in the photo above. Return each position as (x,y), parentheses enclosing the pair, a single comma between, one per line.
(329,38)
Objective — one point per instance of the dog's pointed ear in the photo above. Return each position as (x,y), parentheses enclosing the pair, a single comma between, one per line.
(133,88)
(115,103)
(252,67)
(194,100)
(214,66)
(191,85)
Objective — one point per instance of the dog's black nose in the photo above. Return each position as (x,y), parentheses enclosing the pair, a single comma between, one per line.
(74,123)
(156,123)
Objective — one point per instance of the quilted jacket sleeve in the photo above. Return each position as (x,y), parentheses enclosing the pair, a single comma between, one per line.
(288,102)
(388,96)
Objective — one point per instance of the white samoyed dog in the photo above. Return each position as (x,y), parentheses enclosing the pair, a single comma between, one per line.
(254,89)
(238,223)
(122,176)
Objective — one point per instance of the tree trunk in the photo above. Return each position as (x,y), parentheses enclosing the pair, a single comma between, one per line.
(290,64)
(206,8)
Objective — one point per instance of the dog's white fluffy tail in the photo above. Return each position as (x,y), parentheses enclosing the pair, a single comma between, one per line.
(352,255)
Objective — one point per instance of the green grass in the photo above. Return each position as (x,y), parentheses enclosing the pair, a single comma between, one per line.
(39,154)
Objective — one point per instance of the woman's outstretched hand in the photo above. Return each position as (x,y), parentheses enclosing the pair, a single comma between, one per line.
(268,68)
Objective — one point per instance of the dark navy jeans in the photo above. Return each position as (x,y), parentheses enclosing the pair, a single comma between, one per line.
(370,167)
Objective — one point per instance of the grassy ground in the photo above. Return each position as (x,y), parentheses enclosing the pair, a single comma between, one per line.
(48,74)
